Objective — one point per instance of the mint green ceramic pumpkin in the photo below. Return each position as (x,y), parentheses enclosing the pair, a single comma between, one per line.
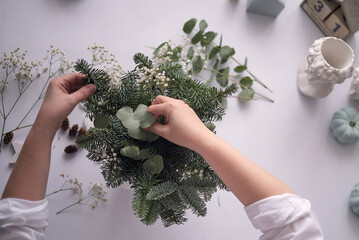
(345,125)
(354,199)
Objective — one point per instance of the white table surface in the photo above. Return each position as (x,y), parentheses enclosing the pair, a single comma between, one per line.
(290,137)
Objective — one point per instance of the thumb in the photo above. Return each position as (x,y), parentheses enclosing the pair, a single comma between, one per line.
(158,109)
(159,129)
(83,93)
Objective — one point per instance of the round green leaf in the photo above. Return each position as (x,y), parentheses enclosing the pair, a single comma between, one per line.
(197,38)
(246,82)
(225,53)
(137,133)
(222,76)
(246,94)
(190,53)
(140,112)
(151,137)
(208,38)
(154,164)
(130,151)
(214,52)
(124,113)
(131,123)
(197,64)
(203,25)
(240,68)
(148,120)
(101,121)
(189,25)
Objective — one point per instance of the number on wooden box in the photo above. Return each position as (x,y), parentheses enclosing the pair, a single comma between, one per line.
(323,8)
(337,25)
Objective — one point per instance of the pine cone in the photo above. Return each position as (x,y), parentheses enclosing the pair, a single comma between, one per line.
(8,137)
(65,124)
(71,149)
(73,130)
(82,131)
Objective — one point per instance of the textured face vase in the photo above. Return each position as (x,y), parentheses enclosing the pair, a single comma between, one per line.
(329,61)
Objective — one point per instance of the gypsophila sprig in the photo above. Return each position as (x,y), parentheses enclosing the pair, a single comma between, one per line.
(94,195)
(18,72)
(167,179)
(198,53)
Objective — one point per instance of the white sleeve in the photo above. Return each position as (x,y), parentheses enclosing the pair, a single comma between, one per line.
(23,219)
(284,217)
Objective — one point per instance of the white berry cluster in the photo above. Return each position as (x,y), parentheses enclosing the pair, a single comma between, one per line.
(102,58)
(189,173)
(153,76)
(15,66)
(57,61)
(166,51)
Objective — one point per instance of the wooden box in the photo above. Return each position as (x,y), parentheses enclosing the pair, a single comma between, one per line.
(335,18)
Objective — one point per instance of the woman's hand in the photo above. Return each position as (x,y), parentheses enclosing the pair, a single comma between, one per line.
(62,95)
(182,125)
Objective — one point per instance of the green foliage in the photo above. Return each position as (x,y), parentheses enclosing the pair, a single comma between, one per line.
(189,25)
(218,57)
(167,179)
(162,190)
(222,76)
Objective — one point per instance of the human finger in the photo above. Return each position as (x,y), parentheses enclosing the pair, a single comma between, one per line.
(158,109)
(158,129)
(72,81)
(162,99)
(83,93)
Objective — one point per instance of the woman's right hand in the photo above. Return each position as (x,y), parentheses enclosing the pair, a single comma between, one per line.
(182,125)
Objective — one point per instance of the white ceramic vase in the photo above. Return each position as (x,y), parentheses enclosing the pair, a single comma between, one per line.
(330,61)
(354,88)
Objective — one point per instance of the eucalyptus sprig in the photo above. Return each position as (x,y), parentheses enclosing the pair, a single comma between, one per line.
(200,53)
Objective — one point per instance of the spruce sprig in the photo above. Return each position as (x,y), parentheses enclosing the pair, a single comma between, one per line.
(184,180)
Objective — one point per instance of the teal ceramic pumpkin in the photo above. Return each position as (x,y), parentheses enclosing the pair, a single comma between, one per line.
(345,125)
(354,199)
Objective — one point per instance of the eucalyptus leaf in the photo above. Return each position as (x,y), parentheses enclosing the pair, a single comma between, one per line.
(151,137)
(101,121)
(222,77)
(147,121)
(203,25)
(197,38)
(246,82)
(240,68)
(137,133)
(208,38)
(220,42)
(131,123)
(197,64)
(140,112)
(214,52)
(225,53)
(189,25)
(130,151)
(190,53)
(245,62)
(124,113)
(246,93)
(154,164)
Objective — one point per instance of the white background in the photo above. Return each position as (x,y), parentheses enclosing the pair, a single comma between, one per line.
(290,137)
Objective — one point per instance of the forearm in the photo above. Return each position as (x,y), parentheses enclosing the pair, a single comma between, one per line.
(28,179)
(249,182)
